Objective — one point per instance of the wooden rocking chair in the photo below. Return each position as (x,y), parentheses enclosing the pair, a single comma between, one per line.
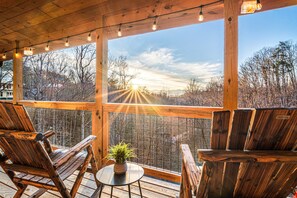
(28,159)
(253,154)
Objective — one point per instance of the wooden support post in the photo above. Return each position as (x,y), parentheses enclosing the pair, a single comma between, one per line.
(17,74)
(100,93)
(231,11)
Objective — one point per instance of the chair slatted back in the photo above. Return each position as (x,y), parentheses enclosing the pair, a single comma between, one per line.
(14,119)
(260,129)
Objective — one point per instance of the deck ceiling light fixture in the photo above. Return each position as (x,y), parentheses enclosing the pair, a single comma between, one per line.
(201,17)
(28,51)
(249,7)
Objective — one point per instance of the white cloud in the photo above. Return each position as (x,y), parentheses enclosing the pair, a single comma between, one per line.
(162,69)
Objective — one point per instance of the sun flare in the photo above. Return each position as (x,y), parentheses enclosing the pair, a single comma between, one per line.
(135,87)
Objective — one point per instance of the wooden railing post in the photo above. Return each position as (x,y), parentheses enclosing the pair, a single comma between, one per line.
(100,93)
(17,74)
(231,11)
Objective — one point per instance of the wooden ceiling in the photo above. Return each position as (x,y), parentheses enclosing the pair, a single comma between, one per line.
(34,22)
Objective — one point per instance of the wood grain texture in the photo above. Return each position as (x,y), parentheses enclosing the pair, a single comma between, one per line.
(99,129)
(269,130)
(236,140)
(36,22)
(17,73)
(231,13)
(190,173)
(162,110)
(247,156)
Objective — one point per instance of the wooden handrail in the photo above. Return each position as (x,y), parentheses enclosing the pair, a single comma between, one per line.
(89,106)
(270,156)
(161,110)
(146,109)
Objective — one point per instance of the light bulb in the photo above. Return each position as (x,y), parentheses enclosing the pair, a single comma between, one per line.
(47,48)
(67,42)
(201,17)
(259,5)
(119,33)
(16,54)
(89,37)
(154,27)
(4,56)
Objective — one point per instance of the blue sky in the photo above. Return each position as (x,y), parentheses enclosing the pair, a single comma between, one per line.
(167,59)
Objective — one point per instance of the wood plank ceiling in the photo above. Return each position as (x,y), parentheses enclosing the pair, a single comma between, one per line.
(34,22)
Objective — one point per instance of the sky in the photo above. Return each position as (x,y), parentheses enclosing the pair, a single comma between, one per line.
(168,59)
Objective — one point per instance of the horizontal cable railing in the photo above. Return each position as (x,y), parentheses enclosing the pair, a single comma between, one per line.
(156,139)
(70,126)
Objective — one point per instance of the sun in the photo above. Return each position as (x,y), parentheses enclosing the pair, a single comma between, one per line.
(135,87)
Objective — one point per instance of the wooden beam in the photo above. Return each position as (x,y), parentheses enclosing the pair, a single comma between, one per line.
(162,110)
(100,93)
(88,106)
(17,74)
(210,155)
(231,11)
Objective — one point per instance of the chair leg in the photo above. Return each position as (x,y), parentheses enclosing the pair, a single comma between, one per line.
(20,191)
(94,165)
(80,175)
(60,185)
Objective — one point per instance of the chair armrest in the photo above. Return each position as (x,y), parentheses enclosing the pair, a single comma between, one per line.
(48,133)
(73,151)
(192,173)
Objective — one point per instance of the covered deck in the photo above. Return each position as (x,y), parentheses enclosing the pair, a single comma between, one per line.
(41,23)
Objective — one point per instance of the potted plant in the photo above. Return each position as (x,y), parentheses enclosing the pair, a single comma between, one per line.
(120,153)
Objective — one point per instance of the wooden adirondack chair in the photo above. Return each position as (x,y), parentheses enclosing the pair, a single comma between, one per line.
(253,154)
(28,159)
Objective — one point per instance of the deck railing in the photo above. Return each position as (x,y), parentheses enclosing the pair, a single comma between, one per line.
(156,131)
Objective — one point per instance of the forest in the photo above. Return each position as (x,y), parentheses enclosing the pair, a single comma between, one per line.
(267,79)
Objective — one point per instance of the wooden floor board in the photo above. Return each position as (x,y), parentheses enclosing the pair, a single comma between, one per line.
(151,187)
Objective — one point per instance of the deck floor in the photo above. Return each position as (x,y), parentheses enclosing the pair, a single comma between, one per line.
(151,187)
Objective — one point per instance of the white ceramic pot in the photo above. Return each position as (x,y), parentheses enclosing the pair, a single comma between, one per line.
(120,168)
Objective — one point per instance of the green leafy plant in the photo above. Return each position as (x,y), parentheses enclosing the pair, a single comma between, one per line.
(121,152)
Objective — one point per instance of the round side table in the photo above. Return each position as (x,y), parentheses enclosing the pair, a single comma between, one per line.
(107,177)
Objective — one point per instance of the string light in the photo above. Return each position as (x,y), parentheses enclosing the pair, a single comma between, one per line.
(47,48)
(4,55)
(67,42)
(89,37)
(16,53)
(259,5)
(154,27)
(120,31)
(201,17)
